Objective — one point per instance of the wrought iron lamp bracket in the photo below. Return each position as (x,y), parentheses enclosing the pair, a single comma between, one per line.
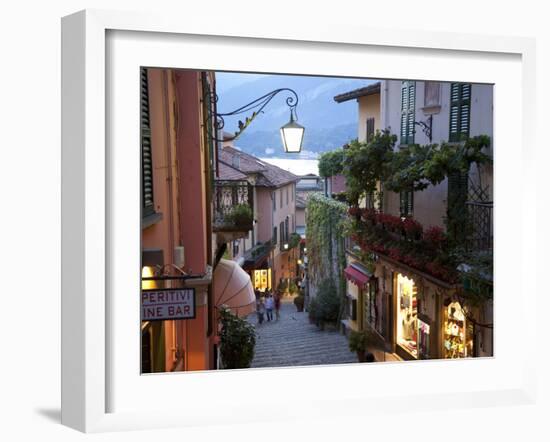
(426,127)
(259,104)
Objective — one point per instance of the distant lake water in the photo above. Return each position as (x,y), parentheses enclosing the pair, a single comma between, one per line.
(296,166)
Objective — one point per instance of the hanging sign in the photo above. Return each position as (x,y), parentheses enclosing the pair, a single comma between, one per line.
(167,304)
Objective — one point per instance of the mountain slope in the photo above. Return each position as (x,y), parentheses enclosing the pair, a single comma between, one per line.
(328,124)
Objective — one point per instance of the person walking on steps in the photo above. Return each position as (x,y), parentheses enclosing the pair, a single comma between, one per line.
(260,308)
(269,304)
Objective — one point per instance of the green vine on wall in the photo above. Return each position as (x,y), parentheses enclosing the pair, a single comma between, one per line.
(326,227)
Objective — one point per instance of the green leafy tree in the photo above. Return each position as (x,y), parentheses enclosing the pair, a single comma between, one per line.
(331,163)
(367,164)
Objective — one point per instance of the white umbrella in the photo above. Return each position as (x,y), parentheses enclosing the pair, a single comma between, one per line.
(233,288)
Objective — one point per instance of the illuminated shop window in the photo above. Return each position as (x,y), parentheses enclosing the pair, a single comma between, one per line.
(458,336)
(262,279)
(407,322)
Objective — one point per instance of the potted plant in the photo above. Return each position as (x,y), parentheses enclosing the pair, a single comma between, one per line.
(312,311)
(299,302)
(328,303)
(359,342)
(241,215)
(237,340)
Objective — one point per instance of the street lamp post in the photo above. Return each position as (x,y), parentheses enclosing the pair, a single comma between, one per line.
(292,133)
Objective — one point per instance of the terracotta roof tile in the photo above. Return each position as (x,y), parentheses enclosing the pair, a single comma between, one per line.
(268,175)
(228,173)
(240,160)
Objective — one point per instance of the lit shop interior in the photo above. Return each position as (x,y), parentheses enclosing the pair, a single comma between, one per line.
(407,317)
(262,279)
(458,333)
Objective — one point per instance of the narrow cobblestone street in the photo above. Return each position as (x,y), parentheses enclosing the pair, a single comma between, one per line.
(293,341)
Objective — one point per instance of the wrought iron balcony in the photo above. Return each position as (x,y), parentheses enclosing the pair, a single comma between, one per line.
(233,206)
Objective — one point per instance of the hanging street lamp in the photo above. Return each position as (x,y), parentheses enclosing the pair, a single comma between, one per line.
(292,133)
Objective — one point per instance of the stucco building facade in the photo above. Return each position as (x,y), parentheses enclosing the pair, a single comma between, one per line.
(414,314)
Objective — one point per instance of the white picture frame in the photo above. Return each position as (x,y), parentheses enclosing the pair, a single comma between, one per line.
(90,324)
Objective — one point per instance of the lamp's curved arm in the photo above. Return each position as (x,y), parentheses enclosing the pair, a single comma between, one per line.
(258,103)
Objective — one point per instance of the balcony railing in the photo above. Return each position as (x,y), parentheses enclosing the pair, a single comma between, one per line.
(233,206)
(257,253)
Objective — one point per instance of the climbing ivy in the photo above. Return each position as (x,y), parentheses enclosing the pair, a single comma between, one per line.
(326,224)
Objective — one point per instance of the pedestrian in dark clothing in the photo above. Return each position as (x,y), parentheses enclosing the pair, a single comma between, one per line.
(277,301)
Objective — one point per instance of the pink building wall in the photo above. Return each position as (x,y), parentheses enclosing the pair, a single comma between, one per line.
(283,262)
(165,232)
(179,166)
(191,168)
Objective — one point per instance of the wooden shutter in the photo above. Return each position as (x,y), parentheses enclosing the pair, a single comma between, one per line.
(408,91)
(353,312)
(286,229)
(370,128)
(459,124)
(148,205)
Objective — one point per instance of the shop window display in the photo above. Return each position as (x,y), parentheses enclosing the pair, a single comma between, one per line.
(407,315)
(458,342)
(262,279)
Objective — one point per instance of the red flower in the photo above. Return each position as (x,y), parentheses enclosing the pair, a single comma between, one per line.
(434,236)
(412,226)
(353,211)
(395,253)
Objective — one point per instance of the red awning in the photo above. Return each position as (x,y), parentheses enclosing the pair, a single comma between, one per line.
(355,276)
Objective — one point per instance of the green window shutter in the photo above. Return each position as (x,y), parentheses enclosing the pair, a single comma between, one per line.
(148,205)
(459,124)
(457,196)
(408,98)
(406,202)
(410,203)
